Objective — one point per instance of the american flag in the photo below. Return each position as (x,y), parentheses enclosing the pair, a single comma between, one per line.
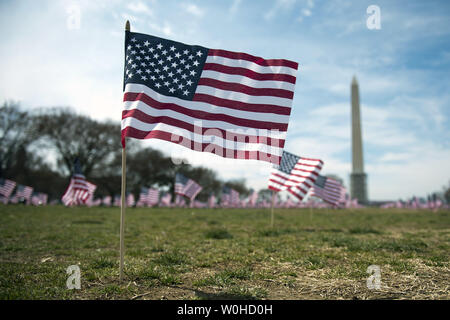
(143,197)
(79,189)
(39,198)
(116,201)
(211,201)
(95,202)
(165,199)
(6,187)
(232,104)
(295,174)
(153,197)
(186,187)
(24,192)
(179,201)
(230,197)
(130,200)
(198,204)
(329,190)
(106,201)
(253,198)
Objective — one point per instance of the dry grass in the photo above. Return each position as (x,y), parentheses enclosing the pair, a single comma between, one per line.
(224,254)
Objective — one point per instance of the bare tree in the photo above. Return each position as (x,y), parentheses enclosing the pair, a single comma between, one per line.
(94,143)
(15,134)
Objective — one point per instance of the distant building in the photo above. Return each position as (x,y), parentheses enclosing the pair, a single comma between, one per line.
(358,179)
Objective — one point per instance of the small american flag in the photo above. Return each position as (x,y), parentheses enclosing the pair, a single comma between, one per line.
(230,197)
(198,204)
(206,99)
(79,189)
(211,201)
(165,200)
(130,200)
(117,201)
(153,197)
(253,198)
(106,201)
(24,192)
(179,201)
(143,197)
(6,187)
(39,198)
(186,187)
(329,190)
(295,174)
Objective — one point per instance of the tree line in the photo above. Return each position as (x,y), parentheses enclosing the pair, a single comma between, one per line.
(38,148)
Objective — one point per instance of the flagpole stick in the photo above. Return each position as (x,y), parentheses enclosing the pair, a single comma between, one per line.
(122,204)
(271,216)
(122,210)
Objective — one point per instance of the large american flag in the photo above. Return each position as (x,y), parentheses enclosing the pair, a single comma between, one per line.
(6,187)
(79,189)
(295,174)
(329,190)
(186,187)
(228,103)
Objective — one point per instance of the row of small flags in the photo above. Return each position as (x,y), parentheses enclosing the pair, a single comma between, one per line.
(23,194)
(297,175)
(150,197)
(431,203)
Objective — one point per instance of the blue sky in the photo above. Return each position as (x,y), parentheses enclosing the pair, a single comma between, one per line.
(47,58)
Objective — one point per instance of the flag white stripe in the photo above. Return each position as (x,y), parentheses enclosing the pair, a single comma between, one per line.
(242,97)
(205,138)
(235,78)
(251,65)
(199,106)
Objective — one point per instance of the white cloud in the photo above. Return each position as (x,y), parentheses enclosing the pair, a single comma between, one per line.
(164,29)
(193,9)
(139,8)
(280,5)
(306,12)
(235,6)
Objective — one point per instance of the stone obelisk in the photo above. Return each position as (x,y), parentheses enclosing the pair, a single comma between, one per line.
(358,188)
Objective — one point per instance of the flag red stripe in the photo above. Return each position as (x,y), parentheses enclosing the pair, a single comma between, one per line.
(292,180)
(230,86)
(249,73)
(200,115)
(238,105)
(204,147)
(258,60)
(223,133)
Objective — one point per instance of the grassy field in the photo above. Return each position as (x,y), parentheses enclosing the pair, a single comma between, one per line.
(221,254)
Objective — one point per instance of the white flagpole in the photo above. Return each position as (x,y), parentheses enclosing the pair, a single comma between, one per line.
(123,202)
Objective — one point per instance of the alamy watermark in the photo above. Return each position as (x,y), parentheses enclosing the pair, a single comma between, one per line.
(73,21)
(373,21)
(74,279)
(374,280)
(238,143)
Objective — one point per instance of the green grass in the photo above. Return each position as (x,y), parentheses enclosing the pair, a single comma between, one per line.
(223,253)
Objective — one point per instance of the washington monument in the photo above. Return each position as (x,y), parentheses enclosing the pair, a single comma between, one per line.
(358,187)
